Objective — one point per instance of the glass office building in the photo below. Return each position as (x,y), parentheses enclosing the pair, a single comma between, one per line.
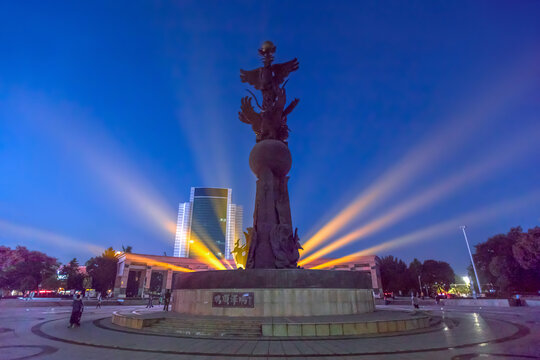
(210,218)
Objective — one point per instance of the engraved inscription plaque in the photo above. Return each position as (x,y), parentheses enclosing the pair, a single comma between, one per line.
(233,299)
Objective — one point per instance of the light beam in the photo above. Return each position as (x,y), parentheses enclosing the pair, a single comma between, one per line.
(455,132)
(500,159)
(153,262)
(48,237)
(477,216)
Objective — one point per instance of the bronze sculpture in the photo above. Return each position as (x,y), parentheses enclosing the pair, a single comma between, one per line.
(272,242)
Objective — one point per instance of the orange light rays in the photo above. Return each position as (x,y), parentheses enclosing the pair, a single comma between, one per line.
(204,254)
(48,237)
(201,235)
(79,133)
(473,217)
(132,188)
(504,154)
(153,262)
(456,131)
(232,265)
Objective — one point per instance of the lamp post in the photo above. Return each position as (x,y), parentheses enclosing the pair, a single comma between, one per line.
(468,283)
(472,261)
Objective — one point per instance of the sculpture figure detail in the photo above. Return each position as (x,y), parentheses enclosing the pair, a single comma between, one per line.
(272,242)
(271,122)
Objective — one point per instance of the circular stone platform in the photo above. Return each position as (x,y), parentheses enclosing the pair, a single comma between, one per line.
(273,292)
(380,322)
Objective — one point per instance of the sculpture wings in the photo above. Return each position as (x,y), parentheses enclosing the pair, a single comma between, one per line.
(249,116)
(280,72)
(271,121)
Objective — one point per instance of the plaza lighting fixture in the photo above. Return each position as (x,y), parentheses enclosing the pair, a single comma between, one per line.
(472,260)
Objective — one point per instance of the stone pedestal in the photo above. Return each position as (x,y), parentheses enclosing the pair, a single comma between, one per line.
(273,292)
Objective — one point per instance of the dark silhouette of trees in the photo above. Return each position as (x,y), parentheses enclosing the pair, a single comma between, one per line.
(22,269)
(394,274)
(75,279)
(102,270)
(127,249)
(509,262)
(526,250)
(415,271)
(437,275)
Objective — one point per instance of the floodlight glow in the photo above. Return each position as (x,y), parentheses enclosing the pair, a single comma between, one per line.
(203,254)
(437,229)
(467,280)
(500,159)
(153,262)
(48,237)
(454,133)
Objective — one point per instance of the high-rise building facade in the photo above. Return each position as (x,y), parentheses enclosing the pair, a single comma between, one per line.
(209,218)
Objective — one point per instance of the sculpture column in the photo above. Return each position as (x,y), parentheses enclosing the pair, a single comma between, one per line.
(272,243)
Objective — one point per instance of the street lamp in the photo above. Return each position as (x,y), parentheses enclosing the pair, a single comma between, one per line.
(472,261)
(467,282)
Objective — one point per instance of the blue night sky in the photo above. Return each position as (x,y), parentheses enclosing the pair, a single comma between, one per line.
(111,111)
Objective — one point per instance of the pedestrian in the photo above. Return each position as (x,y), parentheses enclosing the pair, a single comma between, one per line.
(99,298)
(415,302)
(167,300)
(149,305)
(76,312)
(161,298)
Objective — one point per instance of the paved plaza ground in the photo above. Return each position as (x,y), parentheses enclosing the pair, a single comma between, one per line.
(458,333)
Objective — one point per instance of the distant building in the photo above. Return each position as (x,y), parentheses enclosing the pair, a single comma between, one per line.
(210,218)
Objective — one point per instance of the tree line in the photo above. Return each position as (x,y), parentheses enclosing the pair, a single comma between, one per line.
(506,263)
(429,277)
(25,270)
(509,263)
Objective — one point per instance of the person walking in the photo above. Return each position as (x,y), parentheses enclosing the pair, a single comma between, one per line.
(150,298)
(415,302)
(99,299)
(167,300)
(76,312)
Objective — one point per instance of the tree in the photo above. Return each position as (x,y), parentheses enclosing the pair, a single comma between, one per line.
(74,278)
(51,283)
(437,274)
(127,249)
(22,269)
(504,260)
(526,250)
(415,271)
(394,274)
(102,270)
